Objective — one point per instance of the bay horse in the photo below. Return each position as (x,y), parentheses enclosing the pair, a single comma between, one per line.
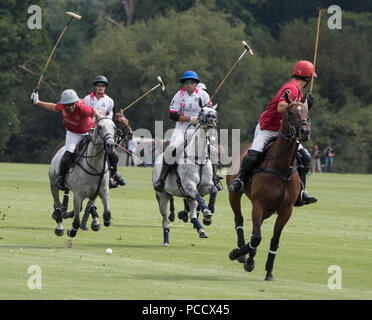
(273,187)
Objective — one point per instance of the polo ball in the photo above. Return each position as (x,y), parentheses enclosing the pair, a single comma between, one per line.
(108,251)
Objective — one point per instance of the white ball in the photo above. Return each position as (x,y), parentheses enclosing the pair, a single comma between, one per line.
(108,251)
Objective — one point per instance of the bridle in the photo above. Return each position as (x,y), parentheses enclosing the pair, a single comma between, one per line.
(294,126)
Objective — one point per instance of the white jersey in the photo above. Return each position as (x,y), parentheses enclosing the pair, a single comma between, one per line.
(188,106)
(105,103)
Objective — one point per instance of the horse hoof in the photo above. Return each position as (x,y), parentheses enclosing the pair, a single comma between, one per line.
(241,259)
(58,232)
(96,227)
(69,214)
(249,265)
(203,234)
(207,213)
(182,215)
(234,254)
(107,223)
(171,217)
(269,277)
(71,233)
(85,228)
(207,221)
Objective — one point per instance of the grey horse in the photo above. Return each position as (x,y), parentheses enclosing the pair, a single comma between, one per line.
(193,176)
(87,178)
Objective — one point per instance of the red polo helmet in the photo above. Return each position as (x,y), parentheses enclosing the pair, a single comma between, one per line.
(304,69)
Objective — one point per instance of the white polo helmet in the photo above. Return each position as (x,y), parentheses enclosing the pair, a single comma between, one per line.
(69,96)
(202,86)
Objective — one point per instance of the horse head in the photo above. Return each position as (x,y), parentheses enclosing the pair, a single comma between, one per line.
(297,116)
(208,116)
(105,132)
(123,129)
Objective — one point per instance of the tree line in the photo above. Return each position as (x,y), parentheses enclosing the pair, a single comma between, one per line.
(132,42)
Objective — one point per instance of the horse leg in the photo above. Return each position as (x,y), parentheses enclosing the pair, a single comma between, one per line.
(171,208)
(76,223)
(95,225)
(207,219)
(66,214)
(183,215)
(235,200)
(162,199)
(251,247)
(194,219)
(58,210)
(281,220)
(105,199)
(86,215)
(212,201)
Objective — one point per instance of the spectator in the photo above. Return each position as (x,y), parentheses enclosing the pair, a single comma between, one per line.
(329,156)
(132,149)
(316,160)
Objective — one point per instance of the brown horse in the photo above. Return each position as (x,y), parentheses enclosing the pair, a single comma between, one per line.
(124,132)
(273,187)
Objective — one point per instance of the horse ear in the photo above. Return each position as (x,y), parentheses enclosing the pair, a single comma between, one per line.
(286,96)
(215,106)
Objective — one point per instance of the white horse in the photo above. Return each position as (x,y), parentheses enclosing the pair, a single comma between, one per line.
(87,178)
(192,178)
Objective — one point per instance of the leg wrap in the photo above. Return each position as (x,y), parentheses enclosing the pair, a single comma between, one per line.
(272,254)
(196,224)
(201,201)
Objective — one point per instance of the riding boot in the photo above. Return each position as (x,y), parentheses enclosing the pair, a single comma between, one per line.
(303,169)
(248,163)
(160,183)
(216,178)
(116,176)
(63,168)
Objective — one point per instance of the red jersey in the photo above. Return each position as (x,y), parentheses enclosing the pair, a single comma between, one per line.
(80,121)
(270,119)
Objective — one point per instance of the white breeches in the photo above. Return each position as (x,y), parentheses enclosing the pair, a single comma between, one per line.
(177,142)
(72,140)
(261,137)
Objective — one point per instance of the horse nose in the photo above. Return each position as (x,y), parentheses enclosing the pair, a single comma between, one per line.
(304,134)
(109,144)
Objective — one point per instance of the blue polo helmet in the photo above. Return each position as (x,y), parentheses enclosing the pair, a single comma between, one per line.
(189,75)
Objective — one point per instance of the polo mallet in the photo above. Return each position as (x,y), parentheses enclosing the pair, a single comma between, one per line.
(161,83)
(247,49)
(315,53)
(73,16)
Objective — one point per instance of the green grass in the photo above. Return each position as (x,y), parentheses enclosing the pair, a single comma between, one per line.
(335,231)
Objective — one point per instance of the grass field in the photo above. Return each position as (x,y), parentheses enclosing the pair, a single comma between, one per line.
(335,231)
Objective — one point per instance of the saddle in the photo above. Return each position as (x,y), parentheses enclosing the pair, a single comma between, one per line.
(80,149)
(285,175)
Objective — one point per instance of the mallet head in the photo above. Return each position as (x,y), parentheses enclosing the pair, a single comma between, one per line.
(245,45)
(161,83)
(74,15)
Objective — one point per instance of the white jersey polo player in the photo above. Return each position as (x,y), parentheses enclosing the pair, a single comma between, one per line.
(184,109)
